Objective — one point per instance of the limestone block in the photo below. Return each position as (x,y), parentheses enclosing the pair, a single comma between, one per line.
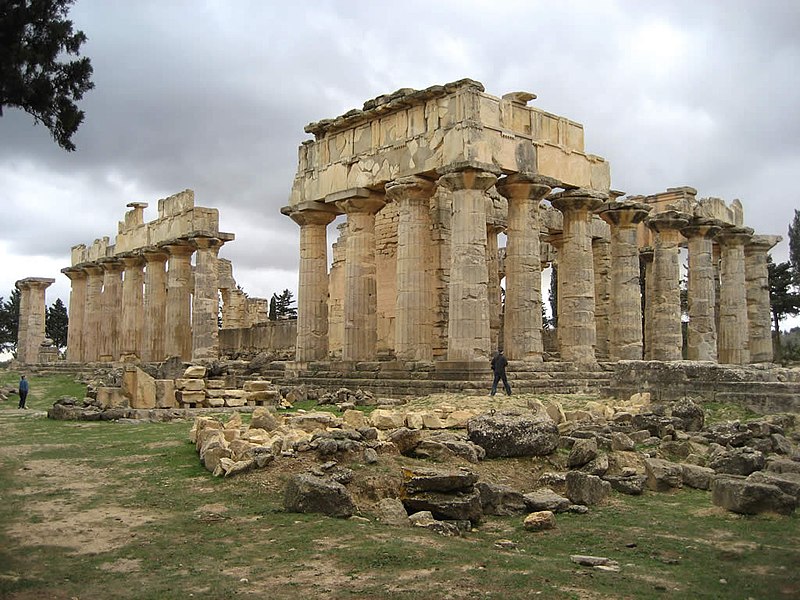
(556,412)
(215,402)
(112,397)
(457,419)
(578,415)
(190,385)
(184,397)
(216,384)
(231,434)
(599,410)
(165,393)
(143,394)
(354,418)
(195,372)
(387,419)
(308,422)
(227,394)
(260,437)
(539,521)
(264,418)
(430,420)
(414,420)
(271,396)
(234,401)
(257,386)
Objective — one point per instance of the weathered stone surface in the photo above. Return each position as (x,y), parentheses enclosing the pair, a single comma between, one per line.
(392,512)
(690,414)
(433,480)
(501,500)
(586,489)
(306,493)
(750,498)
(184,397)
(509,434)
(583,451)
(662,475)
(257,386)
(546,499)
(190,385)
(354,418)
(789,483)
(386,419)
(737,461)
(194,372)
(695,476)
(632,485)
(263,418)
(621,442)
(463,506)
(313,421)
(784,465)
(539,521)
(405,439)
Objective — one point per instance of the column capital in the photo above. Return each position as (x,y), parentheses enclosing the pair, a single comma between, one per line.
(74,273)
(646,254)
(155,254)
(667,221)
(577,199)
(207,243)
(701,227)
(34,282)
(730,236)
(410,188)
(179,248)
(110,263)
(525,186)
(132,260)
(467,179)
(362,205)
(310,216)
(762,243)
(623,214)
(92,269)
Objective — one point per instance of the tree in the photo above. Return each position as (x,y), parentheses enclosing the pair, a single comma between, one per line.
(9,322)
(35,39)
(783,298)
(273,312)
(794,246)
(57,323)
(283,305)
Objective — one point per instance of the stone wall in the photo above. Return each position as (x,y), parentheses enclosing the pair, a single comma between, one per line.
(274,337)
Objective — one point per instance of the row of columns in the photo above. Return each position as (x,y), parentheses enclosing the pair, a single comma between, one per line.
(743,312)
(147,305)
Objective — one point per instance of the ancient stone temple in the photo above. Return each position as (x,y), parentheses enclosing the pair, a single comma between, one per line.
(141,298)
(427,181)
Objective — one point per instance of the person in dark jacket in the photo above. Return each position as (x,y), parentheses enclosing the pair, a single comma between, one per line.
(23,391)
(499,364)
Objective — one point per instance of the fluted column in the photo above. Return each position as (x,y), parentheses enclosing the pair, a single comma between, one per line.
(667,339)
(205,302)
(758,304)
(77,313)
(468,334)
(32,312)
(94,317)
(522,329)
(132,308)
(111,306)
(155,305)
(601,262)
(413,338)
(494,290)
(646,255)
(178,338)
(360,302)
(312,289)
(733,327)
(625,318)
(701,329)
(576,275)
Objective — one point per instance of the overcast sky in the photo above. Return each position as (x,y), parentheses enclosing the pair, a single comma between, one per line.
(214,95)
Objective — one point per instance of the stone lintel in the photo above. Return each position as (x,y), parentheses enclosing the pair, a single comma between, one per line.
(468,165)
(348,194)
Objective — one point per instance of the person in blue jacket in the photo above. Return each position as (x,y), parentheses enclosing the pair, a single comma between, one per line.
(23,391)
(499,364)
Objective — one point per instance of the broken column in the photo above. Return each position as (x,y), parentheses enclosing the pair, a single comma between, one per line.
(626,299)
(759,317)
(576,275)
(32,312)
(701,329)
(522,327)
(468,319)
(667,339)
(733,327)
(414,307)
(77,313)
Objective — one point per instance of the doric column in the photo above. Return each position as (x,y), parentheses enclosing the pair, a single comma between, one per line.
(132,308)
(155,305)
(178,337)
(667,339)
(701,329)
(646,255)
(32,310)
(77,313)
(758,305)
(576,275)
(413,338)
(312,289)
(522,329)
(733,328)
(94,317)
(111,306)
(468,318)
(601,262)
(625,318)
(205,302)
(360,302)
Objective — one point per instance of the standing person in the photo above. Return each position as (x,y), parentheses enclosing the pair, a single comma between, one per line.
(499,364)
(23,391)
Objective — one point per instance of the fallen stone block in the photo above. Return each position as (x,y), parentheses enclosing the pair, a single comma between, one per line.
(539,521)
(306,493)
(510,434)
(750,498)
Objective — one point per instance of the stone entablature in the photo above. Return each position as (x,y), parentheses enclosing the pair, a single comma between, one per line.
(140,298)
(415,132)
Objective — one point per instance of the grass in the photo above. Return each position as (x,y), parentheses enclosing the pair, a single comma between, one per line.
(116,510)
